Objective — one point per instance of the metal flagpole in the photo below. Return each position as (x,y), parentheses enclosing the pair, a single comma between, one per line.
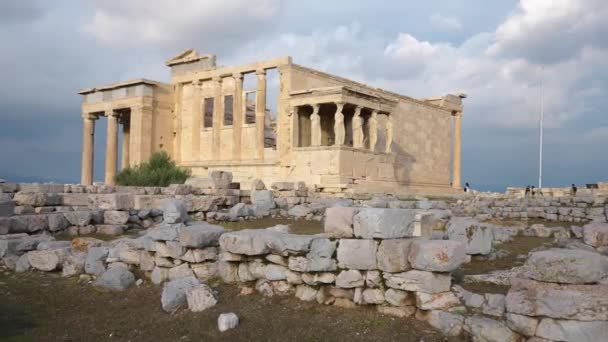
(540,148)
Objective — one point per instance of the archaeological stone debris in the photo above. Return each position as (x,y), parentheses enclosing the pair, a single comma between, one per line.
(407,257)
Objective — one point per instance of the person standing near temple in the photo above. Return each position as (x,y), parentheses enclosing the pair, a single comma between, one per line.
(573,190)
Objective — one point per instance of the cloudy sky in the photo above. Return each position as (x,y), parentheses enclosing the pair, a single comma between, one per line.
(493,51)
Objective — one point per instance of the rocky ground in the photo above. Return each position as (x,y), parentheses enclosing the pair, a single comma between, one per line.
(31,303)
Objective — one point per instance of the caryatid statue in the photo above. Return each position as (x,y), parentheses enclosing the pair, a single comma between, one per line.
(388,134)
(339,132)
(315,126)
(373,130)
(357,128)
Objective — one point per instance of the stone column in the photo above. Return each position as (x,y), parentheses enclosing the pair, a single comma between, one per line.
(196,113)
(88,141)
(140,127)
(373,130)
(237,116)
(111,148)
(177,123)
(339,131)
(217,117)
(388,133)
(315,126)
(126,142)
(457,154)
(357,128)
(260,113)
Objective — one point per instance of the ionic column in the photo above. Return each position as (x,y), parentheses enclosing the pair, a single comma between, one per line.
(457,153)
(126,142)
(88,140)
(388,133)
(357,128)
(373,130)
(111,148)
(315,126)
(260,113)
(217,117)
(196,113)
(237,115)
(339,131)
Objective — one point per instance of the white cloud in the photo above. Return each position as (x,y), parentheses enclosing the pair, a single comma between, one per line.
(550,31)
(443,22)
(177,24)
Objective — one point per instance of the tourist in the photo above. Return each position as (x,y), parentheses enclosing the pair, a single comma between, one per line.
(532,190)
(527,190)
(573,190)
(466,187)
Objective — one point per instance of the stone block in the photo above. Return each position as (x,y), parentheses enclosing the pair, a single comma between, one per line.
(437,301)
(7,205)
(339,221)
(200,235)
(115,217)
(115,279)
(174,211)
(350,279)
(570,266)
(357,254)
(596,234)
(559,330)
(321,254)
(47,260)
(448,323)
(79,218)
(487,329)
(523,325)
(437,255)
(377,223)
(174,293)
(227,321)
(477,236)
(421,281)
(392,255)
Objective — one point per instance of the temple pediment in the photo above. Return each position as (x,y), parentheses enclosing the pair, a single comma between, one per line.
(187,56)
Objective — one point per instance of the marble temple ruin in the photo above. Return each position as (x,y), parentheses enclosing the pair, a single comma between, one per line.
(332,133)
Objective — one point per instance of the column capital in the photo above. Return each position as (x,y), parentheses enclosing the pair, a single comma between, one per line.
(457,113)
(261,72)
(340,106)
(89,116)
(237,75)
(358,110)
(112,113)
(315,108)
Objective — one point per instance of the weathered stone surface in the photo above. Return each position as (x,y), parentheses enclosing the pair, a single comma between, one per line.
(494,305)
(596,234)
(174,211)
(448,323)
(570,266)
(437,255)
(306,293)
(164,233)
(115,217)
(37,199)
(320,255)
(523,325)
(205,271)
(94,263)
(52,244)
(559,330)
(470,299)
(159,275)
(477,236)
(200,255)
(299,211)
(227,321)
(200,235)
(487,329)
(373,296)
(287,244)
(298,264)
(264,287)
(262,201)
(393,255)
(339,221)
(238,210)
(401,312)
(578,302)
(22,264)
(357,254)
(83,244)
(28,223)
(200,298)
(57,222)
(169,249)
(377,223)
(415,280)
(174,293)
(110,229)
(247,241)
(437,301)
(275,272)
(373,279)
(7,206)
(31,243)
(48,260)
(399,298)
(116,279)
(228,271)
(79,217)
(73,264)
(350,279)
(181,271)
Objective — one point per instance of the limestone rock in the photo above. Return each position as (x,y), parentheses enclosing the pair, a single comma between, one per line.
(116,279)
(486,329)
(477,236)
(494,305)
(393,255)
(174,293)
(57,222)
(7,205)
(437,301)
(437,255)
(159,275)
(522,324)
(415,280)
(247,241)
(205,271)
(448,323)
(470,299)
(181,271)
(571,266)
(73,264)
(578,331)
(401,311)
(287,244)
(79,218)
(200,298)
(228,271)
(306,293)
(357,254)
(264,287)
(339,221)
(578,302)
(94,262)
(47,260)
(200,235)
(377,223)
(23,264)
(262,201)
(163,233)
(174,211)
(398,297)
(373,296)
(320,256)
(227,321)
(596,234)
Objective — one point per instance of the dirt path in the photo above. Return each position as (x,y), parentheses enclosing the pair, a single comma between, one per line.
(46,307)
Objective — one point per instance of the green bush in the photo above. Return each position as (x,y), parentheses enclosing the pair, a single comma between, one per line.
(159,170)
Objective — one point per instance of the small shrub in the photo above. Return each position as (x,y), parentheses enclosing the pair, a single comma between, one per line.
(159,170)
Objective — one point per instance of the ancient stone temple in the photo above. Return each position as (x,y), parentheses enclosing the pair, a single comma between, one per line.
(327,131)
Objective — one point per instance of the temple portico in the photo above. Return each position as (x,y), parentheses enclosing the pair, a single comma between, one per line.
(327,131)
